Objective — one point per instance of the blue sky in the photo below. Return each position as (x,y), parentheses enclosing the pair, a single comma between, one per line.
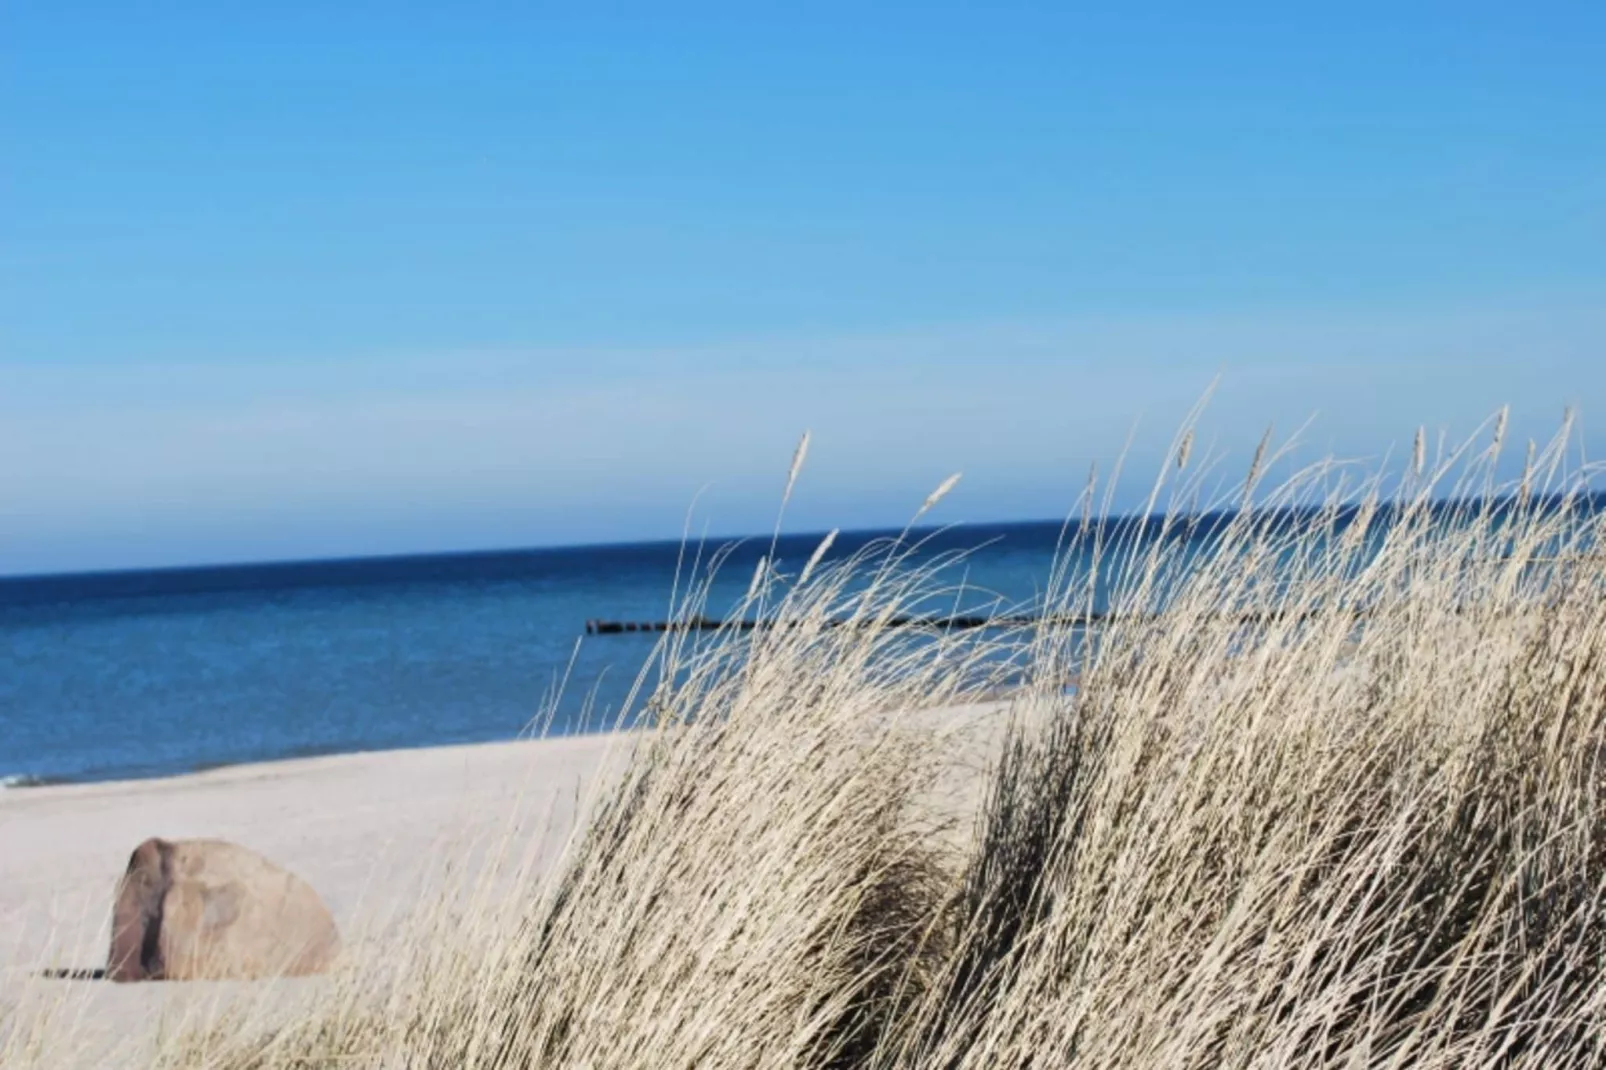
(286,280)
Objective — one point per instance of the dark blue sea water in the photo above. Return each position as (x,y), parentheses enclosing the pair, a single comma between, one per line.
(150,673)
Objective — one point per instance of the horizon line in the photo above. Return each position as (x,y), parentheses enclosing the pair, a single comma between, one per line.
(719,540)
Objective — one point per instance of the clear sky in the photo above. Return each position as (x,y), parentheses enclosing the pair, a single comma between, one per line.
(291,279)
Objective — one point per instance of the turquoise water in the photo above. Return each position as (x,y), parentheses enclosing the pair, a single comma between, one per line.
(152,673)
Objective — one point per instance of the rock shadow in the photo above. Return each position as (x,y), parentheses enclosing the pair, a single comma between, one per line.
(69,974)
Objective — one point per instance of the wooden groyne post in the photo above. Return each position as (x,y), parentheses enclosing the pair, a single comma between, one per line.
(956,623)
(620,627)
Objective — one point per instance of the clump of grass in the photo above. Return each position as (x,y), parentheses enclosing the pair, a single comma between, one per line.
(755,888)
(761,871)
(1328,793)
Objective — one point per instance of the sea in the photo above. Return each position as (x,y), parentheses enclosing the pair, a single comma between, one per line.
(150,673)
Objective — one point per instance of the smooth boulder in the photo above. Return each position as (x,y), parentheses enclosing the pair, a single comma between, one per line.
(190,910)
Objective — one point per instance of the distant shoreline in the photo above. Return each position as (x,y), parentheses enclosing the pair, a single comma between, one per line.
(32,784)
(34,787)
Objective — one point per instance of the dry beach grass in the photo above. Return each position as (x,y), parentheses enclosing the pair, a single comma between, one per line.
(1328,794)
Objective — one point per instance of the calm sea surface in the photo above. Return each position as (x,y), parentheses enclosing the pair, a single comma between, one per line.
(151,673)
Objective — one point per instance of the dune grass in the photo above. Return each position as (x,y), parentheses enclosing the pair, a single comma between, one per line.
(1329,793)
(1366,830)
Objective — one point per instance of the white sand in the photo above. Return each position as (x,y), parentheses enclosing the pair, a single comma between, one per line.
(369,831)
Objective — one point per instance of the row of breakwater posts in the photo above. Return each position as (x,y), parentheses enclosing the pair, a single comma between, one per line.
(712,624)
(956,623)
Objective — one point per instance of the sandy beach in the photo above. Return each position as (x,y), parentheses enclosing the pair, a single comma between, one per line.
(375,833)
(371,832)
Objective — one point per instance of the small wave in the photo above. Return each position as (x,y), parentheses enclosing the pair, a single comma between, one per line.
(22,780)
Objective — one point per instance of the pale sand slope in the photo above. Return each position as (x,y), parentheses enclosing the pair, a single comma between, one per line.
(370,832)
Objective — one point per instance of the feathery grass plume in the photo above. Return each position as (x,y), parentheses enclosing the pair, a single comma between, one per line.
(1088,494)
(758,582)
(936,496)
(1525,489)
(1419,452)
(819,553)
(1185,450)
(799,455)
(1502,421)
(1255,470)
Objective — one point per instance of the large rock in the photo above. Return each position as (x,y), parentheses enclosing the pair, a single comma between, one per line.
(209,909)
